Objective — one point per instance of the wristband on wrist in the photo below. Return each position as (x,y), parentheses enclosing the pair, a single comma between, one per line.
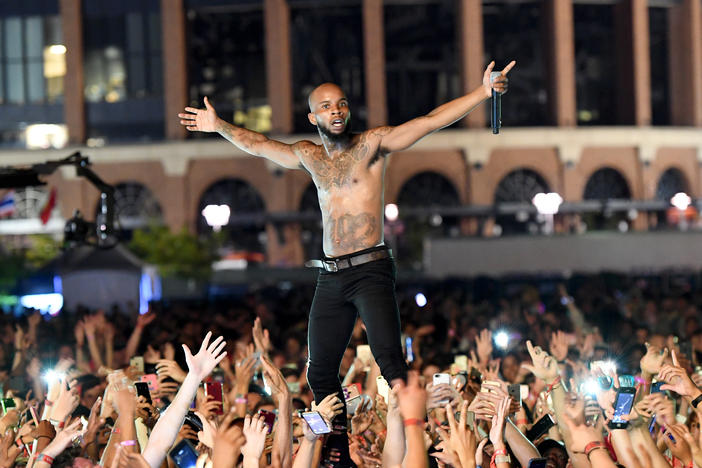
(48,402)
(127,443)
(696,401)
(521,422)
(555,384)
(241,400)
(592,446)
(413,422)
(115,430)
(44,458)
(57,424)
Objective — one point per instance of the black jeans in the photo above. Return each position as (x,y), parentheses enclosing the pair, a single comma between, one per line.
(368,290)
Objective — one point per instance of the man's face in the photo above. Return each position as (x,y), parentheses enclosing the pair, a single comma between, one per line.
(329,111)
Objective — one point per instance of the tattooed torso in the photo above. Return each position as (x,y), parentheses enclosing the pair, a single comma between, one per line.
(350,190)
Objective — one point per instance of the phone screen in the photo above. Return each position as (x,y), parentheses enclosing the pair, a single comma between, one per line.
(142,389)
(652,425)
(184,455)
(540,427)
(656,387)
(269,419)
(215,389)
(7,403)
(623,405)
(537,463)
(316,423)
(408,349)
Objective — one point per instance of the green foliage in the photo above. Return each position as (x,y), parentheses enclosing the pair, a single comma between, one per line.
(42,250)
(12,269)
(175,254)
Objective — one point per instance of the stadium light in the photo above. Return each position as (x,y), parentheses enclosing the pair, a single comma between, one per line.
(681,201)
(391,212)
(547,203)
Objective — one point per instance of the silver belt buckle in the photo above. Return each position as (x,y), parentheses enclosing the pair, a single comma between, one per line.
(331,266)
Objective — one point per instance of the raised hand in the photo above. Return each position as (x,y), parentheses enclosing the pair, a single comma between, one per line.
(255,432)
(498,424)
(228,441)
(499,83)
(261,338)
(331,405)
(677,380)
(63,439)
(200,120)
(65,404)
(275,379)
(483,345)
(412,398)
(559,345)
(677,444)
(652,361)
(170,369)
(144,319)
(544,365)
(209,355)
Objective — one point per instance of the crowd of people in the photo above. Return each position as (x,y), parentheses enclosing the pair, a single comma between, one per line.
(503,376)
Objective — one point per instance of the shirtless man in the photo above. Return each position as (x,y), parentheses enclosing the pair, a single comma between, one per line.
(357,274)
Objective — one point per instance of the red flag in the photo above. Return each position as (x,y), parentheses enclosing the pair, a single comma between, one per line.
(48,207)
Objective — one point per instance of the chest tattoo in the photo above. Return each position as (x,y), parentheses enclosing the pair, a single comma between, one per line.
(337,171)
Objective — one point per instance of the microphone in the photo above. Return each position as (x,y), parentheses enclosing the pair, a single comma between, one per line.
(496,112)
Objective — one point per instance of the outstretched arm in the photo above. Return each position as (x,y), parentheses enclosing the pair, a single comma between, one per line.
(405,135)
(257,144)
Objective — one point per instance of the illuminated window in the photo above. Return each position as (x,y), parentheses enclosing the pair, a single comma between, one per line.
(227,63)
(421,51)
(32,60)
(122,51)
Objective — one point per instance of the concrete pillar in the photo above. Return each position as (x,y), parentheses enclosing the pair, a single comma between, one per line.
(278,64)
(471,50)
(73,97)
(175,75)
(685,30)
(561,61)
(633,62)
(374,61)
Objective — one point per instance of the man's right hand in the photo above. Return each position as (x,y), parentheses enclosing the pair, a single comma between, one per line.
(200,120)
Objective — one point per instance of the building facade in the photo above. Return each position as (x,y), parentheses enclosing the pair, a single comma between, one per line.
(605,104)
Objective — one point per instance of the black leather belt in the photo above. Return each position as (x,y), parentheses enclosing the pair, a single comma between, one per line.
(335,264)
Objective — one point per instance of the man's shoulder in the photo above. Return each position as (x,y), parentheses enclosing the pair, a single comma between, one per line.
(377,132)
(305,146)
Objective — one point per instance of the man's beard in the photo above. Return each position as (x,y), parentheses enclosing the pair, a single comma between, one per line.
(336,137)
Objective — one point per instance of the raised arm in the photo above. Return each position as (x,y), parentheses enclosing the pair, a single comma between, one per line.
(257,144)
(405,135)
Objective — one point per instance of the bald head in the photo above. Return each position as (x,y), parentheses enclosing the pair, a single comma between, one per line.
(324,92)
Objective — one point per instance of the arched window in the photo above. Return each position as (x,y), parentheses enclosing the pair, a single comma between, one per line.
(671,182)
(311,233)
(244,231)
(424,190)
(519,186)
(607,184)
(135,207)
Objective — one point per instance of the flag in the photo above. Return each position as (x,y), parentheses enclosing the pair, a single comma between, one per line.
(7,204)
(48,207)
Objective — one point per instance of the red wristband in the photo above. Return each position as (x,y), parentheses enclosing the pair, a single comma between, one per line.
(413,422)
(44,458)
(520,422)
(553,384)
(48,402)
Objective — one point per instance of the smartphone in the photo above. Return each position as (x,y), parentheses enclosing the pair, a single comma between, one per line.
(138,363)
(656,387)
(142,389)
(383,388)
(194,421)
(215,389)
(622,407)
(352,405)
(540,427)
(537,463)
(652,426)
(409,352)
(351,391)
(316,423)
(7,403)
(152,380)
(363,352)
(184,454)
(441,379)
(268,418)
(515,391)
(460,380)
